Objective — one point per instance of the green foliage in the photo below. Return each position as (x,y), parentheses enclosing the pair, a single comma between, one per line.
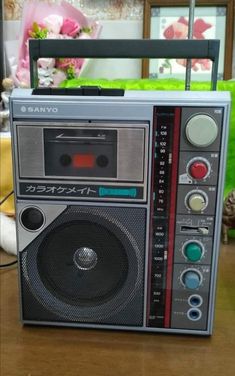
(70,72)
(38,32)
(86,30)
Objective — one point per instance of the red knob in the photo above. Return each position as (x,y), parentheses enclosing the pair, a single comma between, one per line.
(198,170)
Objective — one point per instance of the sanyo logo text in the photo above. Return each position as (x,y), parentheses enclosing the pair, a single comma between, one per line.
(40,110)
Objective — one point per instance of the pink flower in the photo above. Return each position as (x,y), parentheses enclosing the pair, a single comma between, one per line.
(70,27)
(25,62)
(68,62)
(24,77)
(53,23)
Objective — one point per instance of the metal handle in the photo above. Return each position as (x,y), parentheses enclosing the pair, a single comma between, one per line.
(128,48)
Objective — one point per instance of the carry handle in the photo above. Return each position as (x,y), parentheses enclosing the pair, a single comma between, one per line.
(128,48)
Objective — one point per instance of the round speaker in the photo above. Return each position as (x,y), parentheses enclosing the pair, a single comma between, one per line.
(83,263)
(32,218)
(86,265)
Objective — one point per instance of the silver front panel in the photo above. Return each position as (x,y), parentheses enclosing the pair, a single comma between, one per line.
(132,150)
(30,151)
(50,211)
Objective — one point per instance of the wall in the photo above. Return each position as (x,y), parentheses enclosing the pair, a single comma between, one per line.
(100,9)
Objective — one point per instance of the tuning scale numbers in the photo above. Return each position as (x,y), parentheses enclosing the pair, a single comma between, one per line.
(162,172)
(158,275)
(162,168)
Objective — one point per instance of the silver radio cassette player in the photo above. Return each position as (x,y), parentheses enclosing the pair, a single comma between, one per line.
(118,207)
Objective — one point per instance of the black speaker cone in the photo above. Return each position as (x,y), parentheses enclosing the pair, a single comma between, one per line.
(83,263)
(32,219)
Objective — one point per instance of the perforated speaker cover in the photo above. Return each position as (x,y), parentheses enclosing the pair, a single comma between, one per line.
(75,282)
(88,265)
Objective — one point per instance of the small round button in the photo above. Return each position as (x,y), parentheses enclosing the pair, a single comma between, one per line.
(191,279)
(198,170)
(193,251)
(32,219)
(196,201)
(201,130)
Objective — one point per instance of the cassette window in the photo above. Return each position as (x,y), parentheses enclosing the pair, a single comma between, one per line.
(80,152)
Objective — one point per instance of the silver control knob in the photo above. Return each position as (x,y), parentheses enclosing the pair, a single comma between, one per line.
(197,201)
(201,130)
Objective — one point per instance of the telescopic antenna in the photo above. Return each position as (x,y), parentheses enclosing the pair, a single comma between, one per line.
(190,36)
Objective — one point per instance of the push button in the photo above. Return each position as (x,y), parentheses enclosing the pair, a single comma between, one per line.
(198,170)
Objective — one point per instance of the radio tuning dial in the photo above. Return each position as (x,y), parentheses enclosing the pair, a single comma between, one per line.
(196,201)
(191,279)
(193,251)
(201,130)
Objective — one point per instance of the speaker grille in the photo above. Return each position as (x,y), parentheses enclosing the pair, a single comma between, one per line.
(74,283)
(88,266)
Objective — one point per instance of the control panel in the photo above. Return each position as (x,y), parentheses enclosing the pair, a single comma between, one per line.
(185,177)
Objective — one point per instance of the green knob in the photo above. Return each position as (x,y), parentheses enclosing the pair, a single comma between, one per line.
(193,251)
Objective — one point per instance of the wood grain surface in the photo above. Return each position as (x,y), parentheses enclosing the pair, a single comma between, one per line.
(39,351)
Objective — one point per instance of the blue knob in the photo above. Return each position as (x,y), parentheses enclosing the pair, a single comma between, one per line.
(191,279)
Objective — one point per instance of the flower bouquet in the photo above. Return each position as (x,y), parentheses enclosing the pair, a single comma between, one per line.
(52,21)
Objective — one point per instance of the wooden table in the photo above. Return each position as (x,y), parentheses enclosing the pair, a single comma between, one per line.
(39,351)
